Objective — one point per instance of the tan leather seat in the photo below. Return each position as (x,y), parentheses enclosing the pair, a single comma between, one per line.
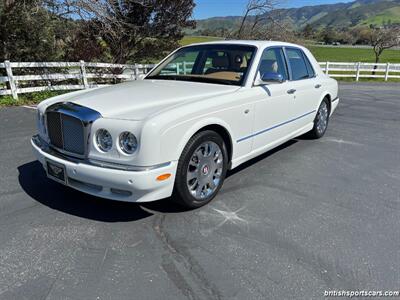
(219,63)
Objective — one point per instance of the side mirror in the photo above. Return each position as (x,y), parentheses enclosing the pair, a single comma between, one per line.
(272,77)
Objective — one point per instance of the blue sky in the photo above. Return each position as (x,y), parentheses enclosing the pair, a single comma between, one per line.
(213,8)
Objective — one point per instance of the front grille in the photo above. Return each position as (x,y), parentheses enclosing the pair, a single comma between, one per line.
(54,129)
(66,132)
(73,135)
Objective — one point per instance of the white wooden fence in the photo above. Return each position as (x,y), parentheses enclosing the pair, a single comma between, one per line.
(359,70)
(79,75)
(84,75)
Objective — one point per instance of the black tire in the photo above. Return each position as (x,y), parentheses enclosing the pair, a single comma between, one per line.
(316,132)
(182,194)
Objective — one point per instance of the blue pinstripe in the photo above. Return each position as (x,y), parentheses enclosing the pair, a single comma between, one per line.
(273,127)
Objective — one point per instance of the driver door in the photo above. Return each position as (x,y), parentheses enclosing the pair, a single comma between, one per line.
(275,105)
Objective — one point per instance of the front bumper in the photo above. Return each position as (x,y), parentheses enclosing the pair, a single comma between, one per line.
(334,104)
(108,182)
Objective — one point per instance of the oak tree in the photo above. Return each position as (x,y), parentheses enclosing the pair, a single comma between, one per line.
(135,30)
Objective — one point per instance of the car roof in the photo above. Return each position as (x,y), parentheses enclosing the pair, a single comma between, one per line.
(256,43)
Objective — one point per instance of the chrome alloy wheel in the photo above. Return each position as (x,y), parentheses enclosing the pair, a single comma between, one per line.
(322,118)
(205,170)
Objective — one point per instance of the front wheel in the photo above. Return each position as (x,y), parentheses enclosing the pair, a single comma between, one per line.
(201,169)
(321,120)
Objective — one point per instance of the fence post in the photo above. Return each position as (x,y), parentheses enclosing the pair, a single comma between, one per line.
(184,67)
(136,71)
(358,71)
(387,71)
(83,74)
(11,81)
(327,68)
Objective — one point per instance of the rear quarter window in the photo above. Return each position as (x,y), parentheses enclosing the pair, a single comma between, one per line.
(310,68)
(297,64)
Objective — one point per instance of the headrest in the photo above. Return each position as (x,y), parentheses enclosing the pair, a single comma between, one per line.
(238,60)
(269,65)
(220,62)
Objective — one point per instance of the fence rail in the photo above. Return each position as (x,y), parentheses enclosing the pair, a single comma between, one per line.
(85,75)
(359,70)
(76,74)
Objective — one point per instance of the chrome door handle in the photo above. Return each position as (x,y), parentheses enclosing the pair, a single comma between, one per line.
(317,86)
(292,91)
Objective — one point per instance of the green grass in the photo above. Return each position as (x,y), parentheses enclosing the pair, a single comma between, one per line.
(29,99)
(187,40)
(342,54)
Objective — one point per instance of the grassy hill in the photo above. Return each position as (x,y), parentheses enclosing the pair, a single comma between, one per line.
(339,15)
(388,15)
(362,12)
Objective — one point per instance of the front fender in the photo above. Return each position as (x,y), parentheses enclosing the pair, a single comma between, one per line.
(174,139)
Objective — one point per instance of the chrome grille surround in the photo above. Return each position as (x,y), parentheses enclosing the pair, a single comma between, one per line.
(54,128)
(68,126)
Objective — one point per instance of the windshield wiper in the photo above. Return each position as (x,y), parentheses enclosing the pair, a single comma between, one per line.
(163,77)
(213,80)
(195,79)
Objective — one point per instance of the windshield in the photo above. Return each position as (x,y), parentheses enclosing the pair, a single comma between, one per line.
(213,63)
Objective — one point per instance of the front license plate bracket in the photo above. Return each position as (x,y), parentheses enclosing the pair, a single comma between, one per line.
(56,171)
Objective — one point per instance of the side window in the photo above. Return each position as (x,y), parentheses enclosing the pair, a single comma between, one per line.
(272,61)
(310,69)
(297,64)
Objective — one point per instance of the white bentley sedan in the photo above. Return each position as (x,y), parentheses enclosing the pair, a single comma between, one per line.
(205,109)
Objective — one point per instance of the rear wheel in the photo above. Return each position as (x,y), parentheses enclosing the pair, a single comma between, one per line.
(201,169)
(321,120)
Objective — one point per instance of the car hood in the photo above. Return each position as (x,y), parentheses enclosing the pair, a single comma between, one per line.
(137,100)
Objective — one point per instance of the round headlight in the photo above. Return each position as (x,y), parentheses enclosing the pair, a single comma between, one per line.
(128,142)
(104,140)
